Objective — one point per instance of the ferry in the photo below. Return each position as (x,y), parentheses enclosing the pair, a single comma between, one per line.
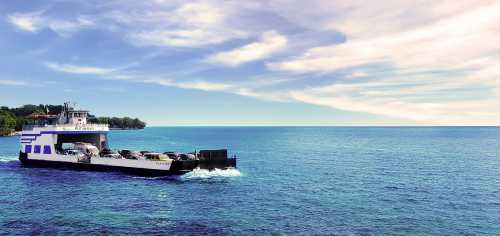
(68,141)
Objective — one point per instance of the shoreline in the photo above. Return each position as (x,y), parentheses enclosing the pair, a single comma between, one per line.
(15,133)
(125,128)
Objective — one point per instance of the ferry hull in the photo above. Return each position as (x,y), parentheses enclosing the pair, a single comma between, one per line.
(177,168)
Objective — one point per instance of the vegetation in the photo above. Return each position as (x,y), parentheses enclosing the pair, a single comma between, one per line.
(13,119)
(7,123)
(119,123)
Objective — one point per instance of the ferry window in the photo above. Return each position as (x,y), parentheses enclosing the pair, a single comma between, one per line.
(37,148)
(47,150)
(27,149)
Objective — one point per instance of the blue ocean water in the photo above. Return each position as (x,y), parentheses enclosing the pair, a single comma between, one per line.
(291,180)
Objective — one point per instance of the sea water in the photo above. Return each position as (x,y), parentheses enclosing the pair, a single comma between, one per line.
(290,180)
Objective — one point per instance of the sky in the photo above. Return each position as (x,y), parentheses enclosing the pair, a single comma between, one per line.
(274,62)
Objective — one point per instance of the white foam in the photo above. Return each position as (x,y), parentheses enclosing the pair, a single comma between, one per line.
(154,178)
(8,158)
(207,174)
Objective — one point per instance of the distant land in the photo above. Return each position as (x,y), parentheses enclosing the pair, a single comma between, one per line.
(13,119)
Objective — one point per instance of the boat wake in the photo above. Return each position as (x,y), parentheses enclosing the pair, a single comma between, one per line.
(8,162)
(208,174)
(197,174)
(8,158)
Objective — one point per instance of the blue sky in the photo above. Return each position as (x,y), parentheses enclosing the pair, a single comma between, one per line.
(257,62)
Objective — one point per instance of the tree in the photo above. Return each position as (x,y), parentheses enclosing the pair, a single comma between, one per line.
(138,124)
(127,123)
(119,123)
(7,123)
(54,109)
(103,120)
(20,121)
(38,111)
(25,110)
(115,122)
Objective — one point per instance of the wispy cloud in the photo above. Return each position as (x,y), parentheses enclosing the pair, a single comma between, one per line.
(13,83)
(27,22)
(270,42)
(188,25)
(243,88)
(112,89)
(158,24)
(121,74)
(197,84)
(439,44)
(35,21)
(449,52)
(445,99)
(77,69)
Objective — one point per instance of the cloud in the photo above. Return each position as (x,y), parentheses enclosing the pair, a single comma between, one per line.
(157,23)
(197,85)
(77,69)
(247,89)
(26,22)
(112,89)
(270,43)
(433,67)
(35,21)
(188,25)
(178,38)
(12,83)
(119,74)
(66,28)
(443,43)
(438,99)
(425,113)
(358,74)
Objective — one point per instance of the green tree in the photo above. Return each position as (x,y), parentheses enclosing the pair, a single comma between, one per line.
(115,122)
(127,123)
(20,121)
(103,120)
(7,123)
(25,110)
(54,109)
(38,111)
(138,124)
